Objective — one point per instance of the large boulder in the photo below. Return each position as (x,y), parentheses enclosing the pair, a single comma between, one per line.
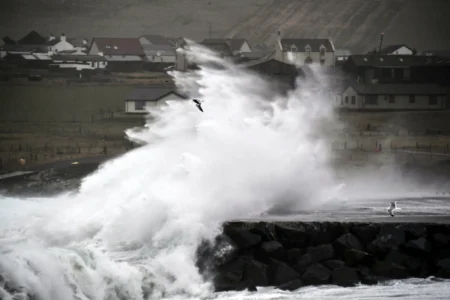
(355,257)
(291,285)
(304,262)
(255,273)
(316,275)
(242,238)
(293,255)
(279,273)
(345,276)
(291,237)
(264,231)
(229,276)
(388,239)
(413,230)
(333,264)
(443,266)
(421,245)
(390,270)
(321,252)
(441,240)
(365,233)
(346,242)
(409,262)
(271,249)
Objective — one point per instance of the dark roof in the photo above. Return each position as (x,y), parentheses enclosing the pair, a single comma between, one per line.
(157,39)
(153,50)
(9,41)
(118,46)
(23,48)
(151,93)
(232,43)
(302,43)
(58,57)
(393,48)
(441,53)
(267,57)
(33,38)
(399,89)
(396,60)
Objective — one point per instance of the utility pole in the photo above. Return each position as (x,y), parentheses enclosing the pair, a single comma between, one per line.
(381,43)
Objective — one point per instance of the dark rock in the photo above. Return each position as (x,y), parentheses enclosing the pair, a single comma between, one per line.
(444,253)
(319,234)
(344,277)
(321,252)
(413,230)
(252,288)
(262,229)
(355,257)
(229,276)
(242,238)
(365,233)
(304,261)
(291,237)
(279,273)
(441,240)
(420,244)
(389,238)
(316,275)
(272,249)
(333,264)
(427,268)
(411,263)
(291,285)
(390,270)
(346,242)
(293,255)
(255,273)
(444,264)
(368,277)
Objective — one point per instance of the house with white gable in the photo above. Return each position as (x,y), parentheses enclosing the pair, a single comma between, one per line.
(140,98)
(60,44)
(158,48)
(302,51)
(397,50)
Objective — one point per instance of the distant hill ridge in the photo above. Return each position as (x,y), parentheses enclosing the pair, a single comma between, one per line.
(352,24)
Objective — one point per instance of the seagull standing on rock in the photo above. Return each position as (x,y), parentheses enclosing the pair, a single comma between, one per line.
(391,208)
(198,103)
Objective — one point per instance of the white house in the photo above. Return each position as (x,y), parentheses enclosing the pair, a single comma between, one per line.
(158,48)
(142,97)
(397,50)
(393,97)
(305,51)
(341,55)
(79,62)
(235,46)
(56,45)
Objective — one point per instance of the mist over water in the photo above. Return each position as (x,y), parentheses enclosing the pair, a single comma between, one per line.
(132,230)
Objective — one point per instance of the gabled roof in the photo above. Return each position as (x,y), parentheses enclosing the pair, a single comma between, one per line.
(301,44)
(151,93)
(157,39)
(58,57)
(392,48)
(371,60)
(118,46)
(155,50)
(9,41)
(32,38)
(234,44)
(399,89)
(218,46)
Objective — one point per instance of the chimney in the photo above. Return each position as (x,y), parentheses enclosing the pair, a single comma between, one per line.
(51,37)
(85,42)
(63,37)
(278,42)
(381,42)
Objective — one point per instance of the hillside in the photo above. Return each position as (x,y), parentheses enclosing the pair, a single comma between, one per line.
(353,24)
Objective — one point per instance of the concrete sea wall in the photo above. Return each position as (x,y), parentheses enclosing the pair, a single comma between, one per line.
(290,255)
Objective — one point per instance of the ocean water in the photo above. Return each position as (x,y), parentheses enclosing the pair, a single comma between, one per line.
(132,229)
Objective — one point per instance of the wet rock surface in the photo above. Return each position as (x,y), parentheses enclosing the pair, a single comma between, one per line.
(289,255)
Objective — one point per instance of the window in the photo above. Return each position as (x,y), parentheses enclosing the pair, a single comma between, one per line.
(412,99)
(139,105)
(372,100)
(346,99)
(432,100)
(353,100)
(391,99)
(386,97)
(308,49)
(322,51)
(293,48)
(406,73)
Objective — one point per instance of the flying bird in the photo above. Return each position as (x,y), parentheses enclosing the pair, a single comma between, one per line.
(198,103)
(391,208)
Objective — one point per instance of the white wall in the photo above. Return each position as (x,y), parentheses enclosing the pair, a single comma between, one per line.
(61,46)
(350,99)
(402,51)
(129,105)
(299,57)
(162,58)
(94,49)
(402,102)
(245,48)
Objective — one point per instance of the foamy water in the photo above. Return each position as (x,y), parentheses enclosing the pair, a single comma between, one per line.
(132,230)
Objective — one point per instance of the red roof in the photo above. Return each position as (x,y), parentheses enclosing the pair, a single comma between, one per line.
(118,46)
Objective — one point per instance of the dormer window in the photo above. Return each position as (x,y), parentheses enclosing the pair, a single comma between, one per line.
(308,49)
(322,50)
(294,48)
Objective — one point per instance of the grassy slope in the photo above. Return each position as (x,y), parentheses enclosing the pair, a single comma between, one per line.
(355,24)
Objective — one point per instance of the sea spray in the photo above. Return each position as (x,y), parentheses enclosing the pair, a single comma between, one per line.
(133,229)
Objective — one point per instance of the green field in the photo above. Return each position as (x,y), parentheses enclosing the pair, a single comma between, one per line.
(36,103)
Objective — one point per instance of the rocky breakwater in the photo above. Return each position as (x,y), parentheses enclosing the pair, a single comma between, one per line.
(291,255)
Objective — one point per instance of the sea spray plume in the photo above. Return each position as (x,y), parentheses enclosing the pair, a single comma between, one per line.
(135,225)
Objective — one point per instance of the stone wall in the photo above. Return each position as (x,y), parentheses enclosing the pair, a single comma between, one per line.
(292,255)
